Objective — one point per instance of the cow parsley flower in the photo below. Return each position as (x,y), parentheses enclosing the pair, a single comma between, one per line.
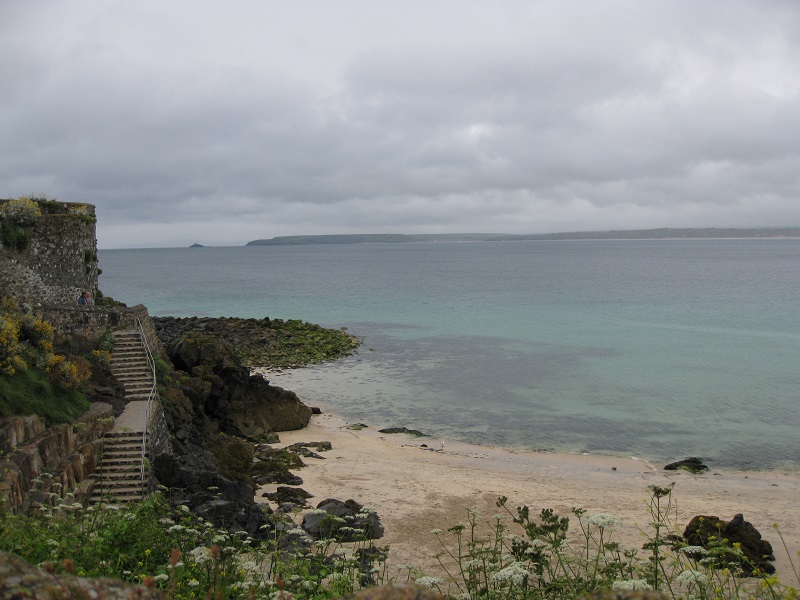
(604,520)
(690,577)
(631,584)
(515,574)
(428,581)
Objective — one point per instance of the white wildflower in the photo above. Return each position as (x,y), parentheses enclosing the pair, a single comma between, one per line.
(469,564)
(161,577)
(631,584)
(183,508)
(604,520)
(200,554)
(436,531)
(693,550)
(428,581)
(166,521)
(193,583)
(514,573)
(690,576)
(175,528)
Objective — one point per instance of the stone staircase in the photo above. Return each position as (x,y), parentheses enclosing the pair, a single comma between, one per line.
(123,475)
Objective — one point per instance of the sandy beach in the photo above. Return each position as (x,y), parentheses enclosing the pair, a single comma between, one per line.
(416,489)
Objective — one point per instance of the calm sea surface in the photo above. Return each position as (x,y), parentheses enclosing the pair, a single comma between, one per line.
(656,349)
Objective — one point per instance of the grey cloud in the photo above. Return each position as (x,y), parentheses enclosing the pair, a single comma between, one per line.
(189,120)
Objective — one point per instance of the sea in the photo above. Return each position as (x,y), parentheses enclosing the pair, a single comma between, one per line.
(655,349)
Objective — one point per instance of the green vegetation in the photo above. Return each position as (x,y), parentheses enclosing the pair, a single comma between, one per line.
(31,393)
(267,342)
(184,555)
(296,343)
(542,557)
(36,379)
(16,217)
(534,557)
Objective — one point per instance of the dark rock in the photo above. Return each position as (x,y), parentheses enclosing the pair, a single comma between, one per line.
(272,466)
(290,495)
(403,430)
(221,388)
(316,410)
(228,504)
(344,521)
(709,531)
(691,464)
(302,449)
(18,579)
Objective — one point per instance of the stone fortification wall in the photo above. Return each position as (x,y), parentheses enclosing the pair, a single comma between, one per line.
(59,260)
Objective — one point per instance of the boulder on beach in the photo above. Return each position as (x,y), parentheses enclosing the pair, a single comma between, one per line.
(344,521)
(708,531)
(691,464)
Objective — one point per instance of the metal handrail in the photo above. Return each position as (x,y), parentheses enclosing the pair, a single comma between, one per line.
(152,396)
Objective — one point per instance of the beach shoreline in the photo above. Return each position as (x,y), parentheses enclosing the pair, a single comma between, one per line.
(418,484)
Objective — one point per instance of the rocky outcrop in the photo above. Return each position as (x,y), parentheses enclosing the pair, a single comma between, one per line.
(709,531)
(228,504)
(264,342)
(18,579)
(245,405)
(344,521)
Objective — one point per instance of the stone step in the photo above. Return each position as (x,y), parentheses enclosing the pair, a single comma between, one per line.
(119,494)
(125,363)
(137,386)
(138,396)
(133,371)
(119,470)
(124,452)
(132,343)
(116,439)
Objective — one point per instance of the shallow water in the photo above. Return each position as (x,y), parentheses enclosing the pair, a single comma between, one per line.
(659,349)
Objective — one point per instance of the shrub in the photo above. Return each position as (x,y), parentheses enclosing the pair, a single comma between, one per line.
(68,374)
(22,211)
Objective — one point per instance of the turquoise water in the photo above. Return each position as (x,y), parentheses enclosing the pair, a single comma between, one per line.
(658,349)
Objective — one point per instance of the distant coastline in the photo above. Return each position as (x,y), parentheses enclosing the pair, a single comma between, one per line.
(664,233)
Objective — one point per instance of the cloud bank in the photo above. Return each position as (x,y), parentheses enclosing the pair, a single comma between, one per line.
(220,123)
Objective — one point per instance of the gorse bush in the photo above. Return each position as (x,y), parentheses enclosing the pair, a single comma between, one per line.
(16,216)
(22,211)
(35,379)
(25,340)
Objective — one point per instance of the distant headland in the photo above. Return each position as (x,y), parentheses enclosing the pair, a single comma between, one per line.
(663,233)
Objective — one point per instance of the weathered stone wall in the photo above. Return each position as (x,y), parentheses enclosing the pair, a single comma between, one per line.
(67,452)
(91,322)
(60,260)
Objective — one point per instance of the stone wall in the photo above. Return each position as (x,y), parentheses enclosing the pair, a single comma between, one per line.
(92,322)
(37,458)
(60,260)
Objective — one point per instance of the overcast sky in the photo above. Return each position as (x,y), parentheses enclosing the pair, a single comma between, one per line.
(223,122)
